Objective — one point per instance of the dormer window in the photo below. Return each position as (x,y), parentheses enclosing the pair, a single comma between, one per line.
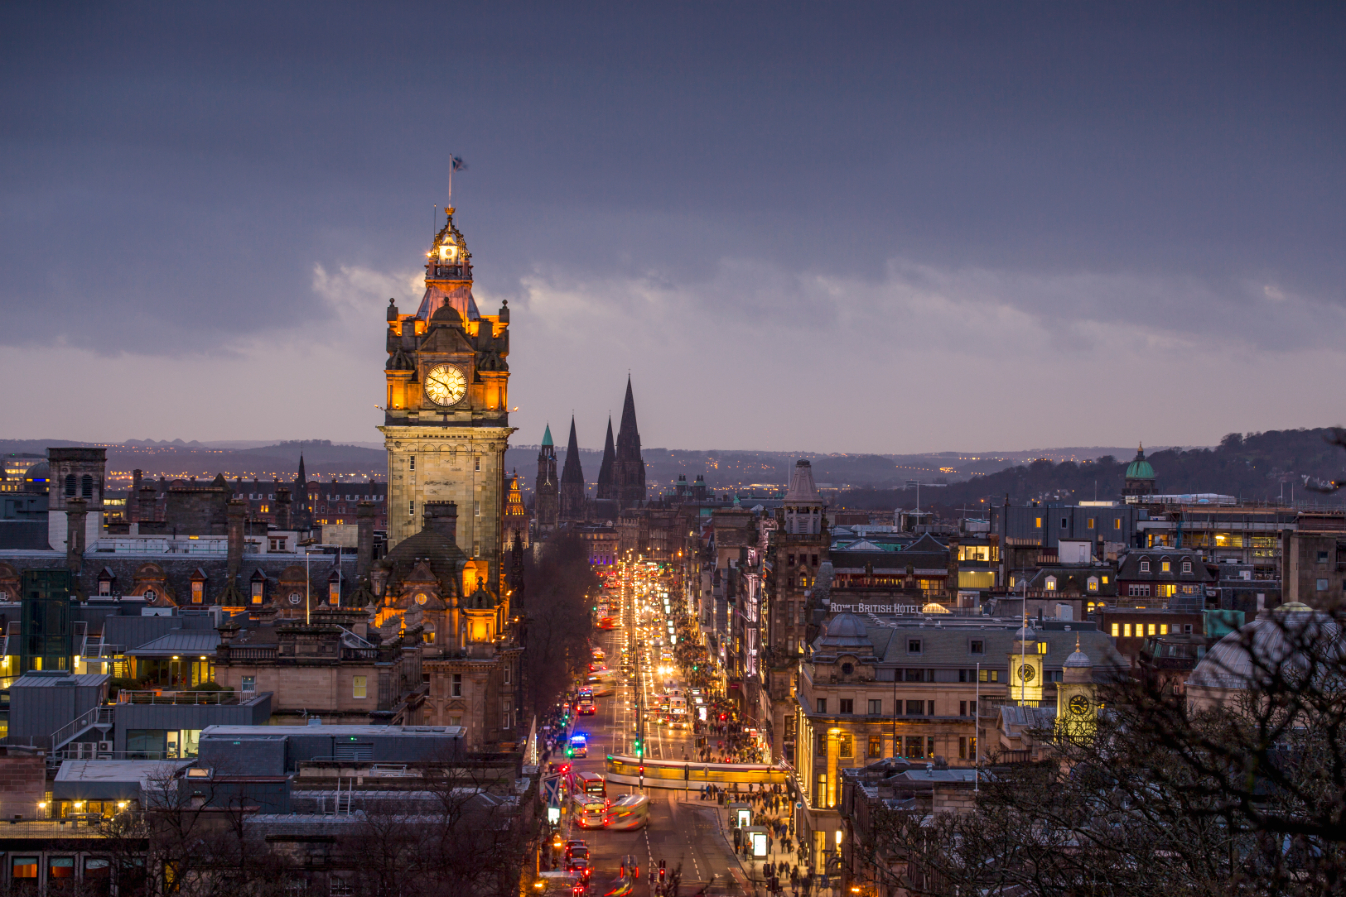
(1051,583)
(913,646)
(1093,584)
(1186,566)
(1164,565)
(1144,566)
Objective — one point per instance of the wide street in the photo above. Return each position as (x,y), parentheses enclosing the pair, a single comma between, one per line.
(683,830)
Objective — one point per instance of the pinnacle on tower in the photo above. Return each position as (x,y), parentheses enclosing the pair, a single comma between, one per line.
(546,437)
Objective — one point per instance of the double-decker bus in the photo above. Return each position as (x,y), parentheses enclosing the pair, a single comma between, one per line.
(589,813)
(590,786)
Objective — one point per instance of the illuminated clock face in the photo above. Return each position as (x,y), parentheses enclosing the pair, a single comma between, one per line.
(1079,705)
(1026,674)
(295,597)
(445,385)
(421,598)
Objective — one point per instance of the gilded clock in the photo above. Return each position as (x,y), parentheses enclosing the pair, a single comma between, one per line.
(1079,705)
(1026,673)
(445,384)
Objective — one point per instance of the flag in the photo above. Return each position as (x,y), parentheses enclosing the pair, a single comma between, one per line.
(457,163)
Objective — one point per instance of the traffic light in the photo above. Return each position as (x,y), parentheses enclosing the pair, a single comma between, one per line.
(640,748)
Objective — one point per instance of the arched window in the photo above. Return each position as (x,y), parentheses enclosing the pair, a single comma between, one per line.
(86,487)
(1186,566)
(1051,583)
(70,484)
(1144,566)
(1093,584)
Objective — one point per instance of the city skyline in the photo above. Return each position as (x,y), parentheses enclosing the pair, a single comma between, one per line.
(896,228)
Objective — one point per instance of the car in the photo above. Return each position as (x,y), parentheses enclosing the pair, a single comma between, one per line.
(576,864)
(578,747)
(577,848)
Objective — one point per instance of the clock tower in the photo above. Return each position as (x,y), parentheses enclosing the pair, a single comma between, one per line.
(1025,663)
(446,416)
(1077,698)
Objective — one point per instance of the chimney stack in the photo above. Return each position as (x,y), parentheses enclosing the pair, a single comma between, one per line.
(77,511)
(442,517)
(236,514)
(364,538)
(283,507)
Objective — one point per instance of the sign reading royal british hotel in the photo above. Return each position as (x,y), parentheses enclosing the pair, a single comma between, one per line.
(886,609)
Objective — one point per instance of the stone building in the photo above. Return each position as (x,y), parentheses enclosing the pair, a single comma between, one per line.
(922,687)
(797,550)
(446,420)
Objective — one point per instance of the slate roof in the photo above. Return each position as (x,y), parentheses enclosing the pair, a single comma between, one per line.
(1129,569)
(179,641)
(949,646)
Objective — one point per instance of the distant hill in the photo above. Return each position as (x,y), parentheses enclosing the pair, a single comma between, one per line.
(1266,466)
(1252,465)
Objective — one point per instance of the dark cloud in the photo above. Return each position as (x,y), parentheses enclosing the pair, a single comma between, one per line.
(1136,179)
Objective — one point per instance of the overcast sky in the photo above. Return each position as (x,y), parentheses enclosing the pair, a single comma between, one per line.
(824,227)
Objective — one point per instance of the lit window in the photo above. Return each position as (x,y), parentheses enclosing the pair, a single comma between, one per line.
(1042,647)
(1126,630)
(198,592)
(1150,629)
(1089,524)
(1165,566)
(334,592)
(1092,586)
(1163,629)
(1051,583)
(1116,630)
(359,686)
(1037,522)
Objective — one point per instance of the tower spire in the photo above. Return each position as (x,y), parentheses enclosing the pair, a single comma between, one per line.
(606,486)
(572,479)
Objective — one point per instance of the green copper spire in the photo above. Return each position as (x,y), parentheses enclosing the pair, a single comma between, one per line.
(546,437)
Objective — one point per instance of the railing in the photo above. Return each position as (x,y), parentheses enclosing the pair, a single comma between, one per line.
(1012,757)
(127,696)
(91,717)
(256,653)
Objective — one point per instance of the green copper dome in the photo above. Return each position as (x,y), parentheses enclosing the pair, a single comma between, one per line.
(546,437)
(1139,469)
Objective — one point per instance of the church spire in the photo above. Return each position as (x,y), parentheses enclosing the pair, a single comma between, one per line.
(629,432)
(628,465)
(572,479)
(606,487)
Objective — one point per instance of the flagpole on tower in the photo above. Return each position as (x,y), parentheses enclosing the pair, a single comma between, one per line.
(456,163)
